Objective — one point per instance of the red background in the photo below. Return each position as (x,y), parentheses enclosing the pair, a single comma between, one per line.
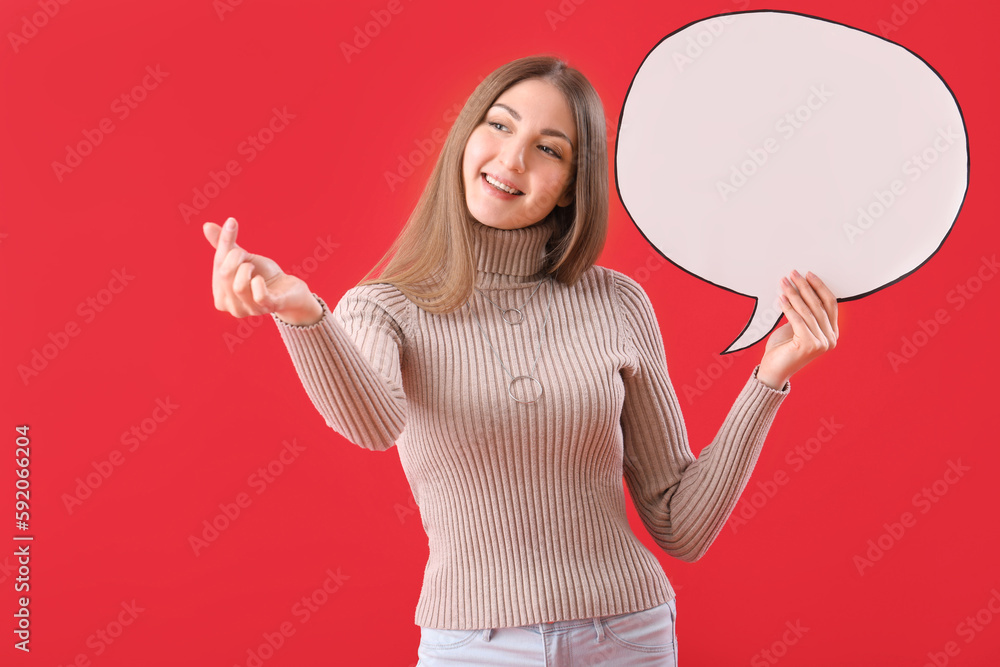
(342,508)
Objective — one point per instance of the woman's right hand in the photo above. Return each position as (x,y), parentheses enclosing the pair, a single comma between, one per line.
(245,284)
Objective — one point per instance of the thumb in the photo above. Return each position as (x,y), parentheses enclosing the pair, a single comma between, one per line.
(263,296)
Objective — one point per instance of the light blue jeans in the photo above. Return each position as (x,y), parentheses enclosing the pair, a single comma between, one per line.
(641,638)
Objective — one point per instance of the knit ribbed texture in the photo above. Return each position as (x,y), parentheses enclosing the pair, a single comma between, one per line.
(524,505)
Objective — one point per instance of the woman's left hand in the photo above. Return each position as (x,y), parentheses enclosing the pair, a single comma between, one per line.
(811,330)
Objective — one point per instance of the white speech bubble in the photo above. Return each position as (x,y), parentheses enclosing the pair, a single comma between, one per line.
(754,143)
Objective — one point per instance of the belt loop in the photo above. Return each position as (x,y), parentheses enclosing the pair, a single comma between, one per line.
(599,627)
(487,633)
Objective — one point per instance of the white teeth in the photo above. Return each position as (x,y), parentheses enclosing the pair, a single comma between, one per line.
(497,184)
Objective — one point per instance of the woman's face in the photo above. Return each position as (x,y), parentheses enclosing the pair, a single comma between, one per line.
(526,142)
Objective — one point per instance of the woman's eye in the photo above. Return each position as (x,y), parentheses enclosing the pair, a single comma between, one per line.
(496,125)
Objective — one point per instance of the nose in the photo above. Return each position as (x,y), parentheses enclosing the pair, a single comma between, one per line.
(512,155)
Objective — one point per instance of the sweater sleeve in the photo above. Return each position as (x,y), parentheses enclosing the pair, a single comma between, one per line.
(684,502)
(349,363)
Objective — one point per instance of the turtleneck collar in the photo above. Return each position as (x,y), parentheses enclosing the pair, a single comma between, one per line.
(508,257)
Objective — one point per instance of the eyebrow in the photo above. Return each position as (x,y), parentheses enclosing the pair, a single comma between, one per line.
(547,131)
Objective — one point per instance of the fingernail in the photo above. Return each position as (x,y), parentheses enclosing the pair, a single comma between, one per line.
(796,273)
(231,223)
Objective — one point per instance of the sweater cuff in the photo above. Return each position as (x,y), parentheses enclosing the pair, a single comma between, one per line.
(326,313)
(766,388)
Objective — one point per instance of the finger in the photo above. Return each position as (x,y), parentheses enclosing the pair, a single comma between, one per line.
(807,293)
(241,289)
(261,295)
(829,300)
(811,326)
(223,279)
(817,306)
(226,241)
(231,262)
(800,329)
(212,231)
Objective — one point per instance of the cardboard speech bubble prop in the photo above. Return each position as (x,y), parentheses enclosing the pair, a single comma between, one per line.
(754,143)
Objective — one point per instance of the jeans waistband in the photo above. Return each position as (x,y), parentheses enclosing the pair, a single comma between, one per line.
(555,627)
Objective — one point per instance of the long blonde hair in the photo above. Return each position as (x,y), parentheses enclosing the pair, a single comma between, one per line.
(431,260)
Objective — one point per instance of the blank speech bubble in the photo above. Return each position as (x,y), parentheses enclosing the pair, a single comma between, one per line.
(754,143)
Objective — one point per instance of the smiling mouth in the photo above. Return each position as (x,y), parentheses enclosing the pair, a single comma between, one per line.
(500,186)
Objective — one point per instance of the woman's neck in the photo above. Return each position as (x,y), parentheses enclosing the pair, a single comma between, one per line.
(510,257)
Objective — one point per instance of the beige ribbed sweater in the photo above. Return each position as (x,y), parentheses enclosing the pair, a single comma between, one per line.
(523,505)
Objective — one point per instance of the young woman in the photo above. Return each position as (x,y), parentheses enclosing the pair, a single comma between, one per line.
(521,382)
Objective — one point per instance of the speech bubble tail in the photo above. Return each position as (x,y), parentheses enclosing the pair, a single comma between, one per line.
(762,322)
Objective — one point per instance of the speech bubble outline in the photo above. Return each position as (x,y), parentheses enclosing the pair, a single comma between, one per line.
(720,58)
